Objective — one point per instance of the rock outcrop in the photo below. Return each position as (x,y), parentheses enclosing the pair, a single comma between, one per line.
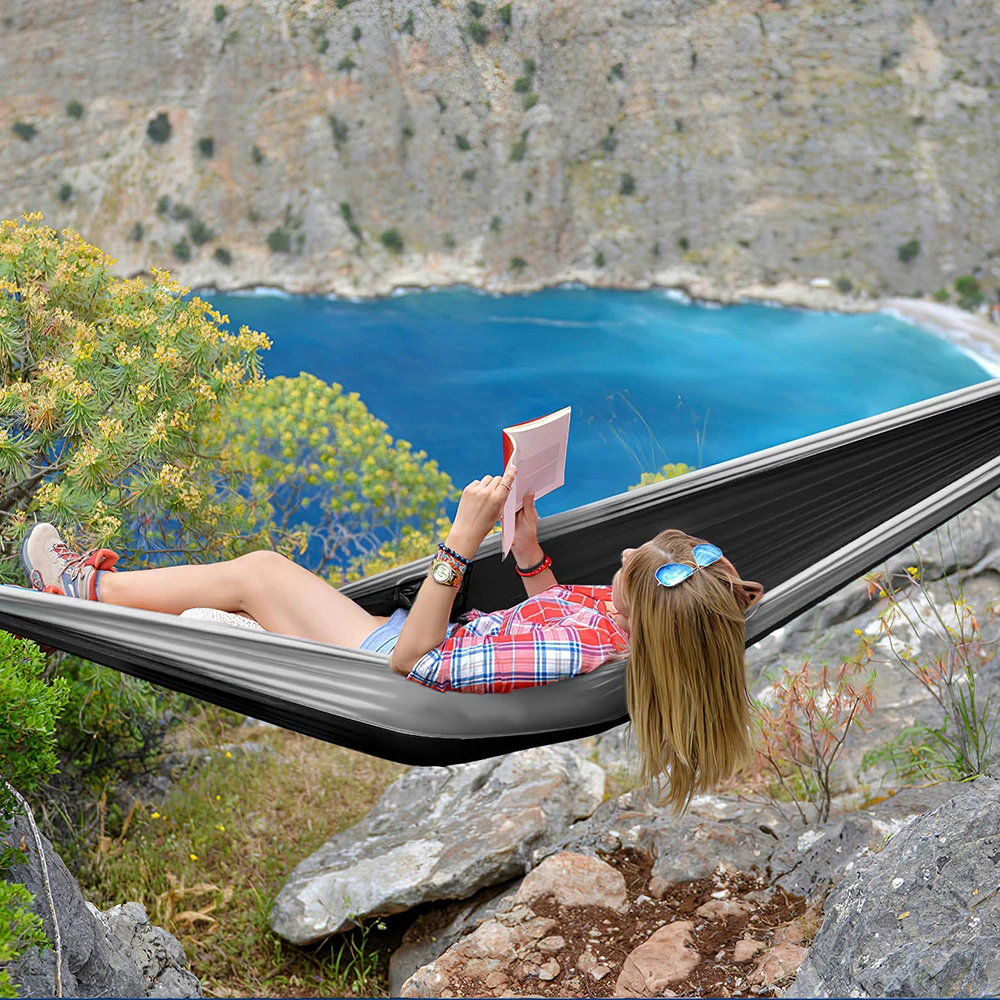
(438,833)
(354,147)
(922,916)
(117,953)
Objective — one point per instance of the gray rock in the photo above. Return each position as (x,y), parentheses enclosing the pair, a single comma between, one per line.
(438,833)
(113,954)
(922,916)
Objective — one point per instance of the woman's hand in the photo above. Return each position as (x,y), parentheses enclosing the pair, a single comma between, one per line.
(478,510)
(525,547)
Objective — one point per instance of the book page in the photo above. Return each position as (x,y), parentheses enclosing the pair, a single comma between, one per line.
(539,452)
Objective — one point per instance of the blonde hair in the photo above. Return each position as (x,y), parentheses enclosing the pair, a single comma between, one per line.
(686,676)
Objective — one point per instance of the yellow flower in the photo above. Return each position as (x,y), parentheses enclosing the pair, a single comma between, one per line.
(193,857)
(156,815)
(218,798)
(220,828)
(228,753)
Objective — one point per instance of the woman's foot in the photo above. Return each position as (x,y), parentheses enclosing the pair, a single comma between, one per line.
(54,569)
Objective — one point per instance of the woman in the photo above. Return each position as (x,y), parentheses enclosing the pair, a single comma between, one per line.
(675,609)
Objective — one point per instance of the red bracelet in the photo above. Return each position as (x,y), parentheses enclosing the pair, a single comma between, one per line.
(534,570)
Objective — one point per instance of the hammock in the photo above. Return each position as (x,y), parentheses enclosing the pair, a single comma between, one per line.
(804,518)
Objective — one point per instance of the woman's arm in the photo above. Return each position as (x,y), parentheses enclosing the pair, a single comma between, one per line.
(526,550)
(427,623)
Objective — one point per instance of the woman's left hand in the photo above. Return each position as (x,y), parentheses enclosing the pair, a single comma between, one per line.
(480,506)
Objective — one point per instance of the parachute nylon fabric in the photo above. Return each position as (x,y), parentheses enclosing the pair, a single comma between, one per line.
(804,518)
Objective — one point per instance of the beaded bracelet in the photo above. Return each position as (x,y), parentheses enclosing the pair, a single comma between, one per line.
(536,569)
(454,554)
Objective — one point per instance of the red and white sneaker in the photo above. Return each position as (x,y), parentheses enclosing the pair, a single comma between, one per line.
(53,568)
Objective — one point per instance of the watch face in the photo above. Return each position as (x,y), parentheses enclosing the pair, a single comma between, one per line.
(443,573)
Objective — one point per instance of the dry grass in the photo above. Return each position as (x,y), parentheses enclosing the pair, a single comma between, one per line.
(207,864)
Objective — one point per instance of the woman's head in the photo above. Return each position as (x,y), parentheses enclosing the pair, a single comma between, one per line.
(687,694)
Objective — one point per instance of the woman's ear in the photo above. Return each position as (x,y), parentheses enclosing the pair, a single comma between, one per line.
(752,593)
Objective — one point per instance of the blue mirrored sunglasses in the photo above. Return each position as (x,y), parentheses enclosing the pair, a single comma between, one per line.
(671,574)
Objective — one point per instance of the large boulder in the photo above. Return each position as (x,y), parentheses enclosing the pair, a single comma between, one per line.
(118,953)
(438,833)
(922,916)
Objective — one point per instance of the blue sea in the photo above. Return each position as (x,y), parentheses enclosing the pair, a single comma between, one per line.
(651,379)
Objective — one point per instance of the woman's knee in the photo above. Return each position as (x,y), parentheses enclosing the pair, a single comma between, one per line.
(261,562)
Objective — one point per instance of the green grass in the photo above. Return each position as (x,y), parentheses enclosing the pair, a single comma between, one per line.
(208,863)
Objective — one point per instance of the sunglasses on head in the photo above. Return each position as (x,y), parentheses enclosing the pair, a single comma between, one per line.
(671,574)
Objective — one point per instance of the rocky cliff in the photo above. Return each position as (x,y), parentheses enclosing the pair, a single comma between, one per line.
(354,145)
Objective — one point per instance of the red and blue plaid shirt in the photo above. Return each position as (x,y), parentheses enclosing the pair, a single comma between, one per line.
(562,632)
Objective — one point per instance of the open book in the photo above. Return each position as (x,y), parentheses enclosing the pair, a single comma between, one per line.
(538,449)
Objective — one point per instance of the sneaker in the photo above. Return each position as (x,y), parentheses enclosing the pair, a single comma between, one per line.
(53,568)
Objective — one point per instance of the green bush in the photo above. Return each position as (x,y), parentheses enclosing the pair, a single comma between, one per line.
(65,192)
(462,142)
(302,437)
(449,241)
(341,4)
(505,15)
(529,67)
(518,264)
(522,84)
(223,256)
(627,185)
(478,32)
(617,72)
(684,243)
(323,45)
(24,131)
(475,8)
(469,174)
(181,213)
(942,295)
(256,155)
(20,929)
(407,27)
(74,109)
(162,205)
(528,101)
(669,471)
(970,292)
(908,251)
(137,232)
(182,249)
(519,148)
(199,232)
(219,12)
(159,128)
(29,711)
(339,130)
(440,102)
(356,33)
(407,132)
(845,285)
(346,64)
(348,216)
(391,240)
(206,146)
(495,224)
(599,259)
(656,249)
(279,240)
(609,143)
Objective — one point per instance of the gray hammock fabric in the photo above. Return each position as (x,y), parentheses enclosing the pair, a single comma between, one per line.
(804,518)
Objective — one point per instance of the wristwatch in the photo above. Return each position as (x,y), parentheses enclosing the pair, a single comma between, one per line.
(444,572)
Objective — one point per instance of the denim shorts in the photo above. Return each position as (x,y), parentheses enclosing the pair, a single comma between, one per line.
(383,639)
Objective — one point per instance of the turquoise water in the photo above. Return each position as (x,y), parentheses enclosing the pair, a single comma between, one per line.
(650,379)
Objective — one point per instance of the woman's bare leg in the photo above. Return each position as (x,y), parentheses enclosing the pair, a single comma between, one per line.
(278,593)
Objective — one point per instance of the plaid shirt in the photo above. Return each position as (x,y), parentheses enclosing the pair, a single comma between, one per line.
(562,632)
